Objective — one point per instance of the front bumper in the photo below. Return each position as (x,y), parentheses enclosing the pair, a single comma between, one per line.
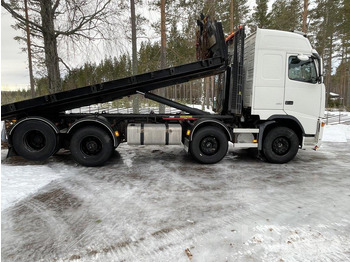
(314,142)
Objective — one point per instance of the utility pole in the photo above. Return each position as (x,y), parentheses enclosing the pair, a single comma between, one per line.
(30,64)
(135,102)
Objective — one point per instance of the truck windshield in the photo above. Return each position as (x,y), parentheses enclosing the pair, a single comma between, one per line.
(304,71)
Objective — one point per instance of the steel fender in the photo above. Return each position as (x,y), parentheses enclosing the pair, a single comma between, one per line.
(288,117)
(54,127)
(276,119)
(99,121)
(208,121)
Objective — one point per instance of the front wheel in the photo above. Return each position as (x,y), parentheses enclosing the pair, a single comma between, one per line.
(91,146)
(209,145)
(280,145)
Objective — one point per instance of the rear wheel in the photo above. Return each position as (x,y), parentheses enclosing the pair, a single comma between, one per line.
(280,145)
(34,140)
(91,146)
(209,145)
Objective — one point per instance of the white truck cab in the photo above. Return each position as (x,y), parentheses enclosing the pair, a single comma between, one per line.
(283,79)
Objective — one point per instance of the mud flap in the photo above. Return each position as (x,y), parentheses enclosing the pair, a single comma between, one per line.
(11,152)
(186,145)
(4,137)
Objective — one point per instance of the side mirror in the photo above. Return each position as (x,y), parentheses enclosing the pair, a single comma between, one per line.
(320,66)
(315,80)
(320,79)
(303,58)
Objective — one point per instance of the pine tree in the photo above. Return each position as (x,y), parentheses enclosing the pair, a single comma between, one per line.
(286,15)
(344,67)
(260,16)
(149,57)
(305,13)
(326,18)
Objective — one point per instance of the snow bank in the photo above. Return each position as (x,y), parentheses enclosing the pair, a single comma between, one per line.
(337,112)
(336,133)
(17,182)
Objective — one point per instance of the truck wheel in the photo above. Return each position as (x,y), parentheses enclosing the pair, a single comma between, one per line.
(91,146)
(209,145)
(280,145)
(34,140)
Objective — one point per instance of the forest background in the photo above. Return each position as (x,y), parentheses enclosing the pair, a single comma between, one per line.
(54,33)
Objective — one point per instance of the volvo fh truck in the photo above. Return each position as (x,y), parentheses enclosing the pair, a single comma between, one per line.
(272,99)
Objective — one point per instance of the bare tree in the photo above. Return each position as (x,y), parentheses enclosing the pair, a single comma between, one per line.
(162,48)
(53,21)
(29,50)
(135,103)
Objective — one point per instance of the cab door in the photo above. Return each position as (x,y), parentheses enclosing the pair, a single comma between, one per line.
(303,93)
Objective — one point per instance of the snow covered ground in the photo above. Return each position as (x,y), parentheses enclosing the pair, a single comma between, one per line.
(338,133)
(153,203)
(17,182)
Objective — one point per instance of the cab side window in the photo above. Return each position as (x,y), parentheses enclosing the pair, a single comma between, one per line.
(304,71)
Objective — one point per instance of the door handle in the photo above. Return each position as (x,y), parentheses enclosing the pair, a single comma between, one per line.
(289,102)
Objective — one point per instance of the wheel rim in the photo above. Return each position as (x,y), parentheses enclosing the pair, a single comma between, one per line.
(34,140)
(91,145)
(209,145)
(281,146)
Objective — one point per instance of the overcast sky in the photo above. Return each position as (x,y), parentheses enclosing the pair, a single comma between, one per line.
(14,69)
(14,72)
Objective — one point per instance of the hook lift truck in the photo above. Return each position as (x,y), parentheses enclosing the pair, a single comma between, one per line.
(272,99)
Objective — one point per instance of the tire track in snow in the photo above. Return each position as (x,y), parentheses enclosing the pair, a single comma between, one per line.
(155,210)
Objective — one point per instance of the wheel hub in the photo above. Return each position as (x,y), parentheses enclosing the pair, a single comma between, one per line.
(209,145)
(281,145)
(91,145)
(35,140)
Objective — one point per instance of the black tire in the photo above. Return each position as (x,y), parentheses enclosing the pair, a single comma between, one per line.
(209,145)
(91,146)
(34,140)
(280,145)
